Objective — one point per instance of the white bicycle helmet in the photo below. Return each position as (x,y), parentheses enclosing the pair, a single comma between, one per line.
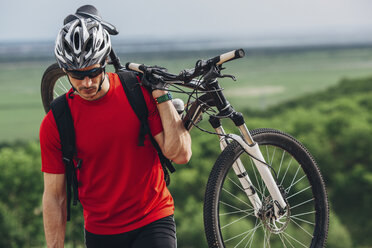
(81,43)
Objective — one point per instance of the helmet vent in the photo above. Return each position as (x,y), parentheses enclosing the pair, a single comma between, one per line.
(89,45)
(76,41)
(67,47)
(102,46)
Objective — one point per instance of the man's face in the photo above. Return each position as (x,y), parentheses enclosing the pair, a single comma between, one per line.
(87,81)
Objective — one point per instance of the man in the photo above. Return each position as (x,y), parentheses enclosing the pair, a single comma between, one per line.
(121,185)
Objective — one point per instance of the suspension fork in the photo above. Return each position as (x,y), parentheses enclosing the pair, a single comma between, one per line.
(251,148)
(239,169)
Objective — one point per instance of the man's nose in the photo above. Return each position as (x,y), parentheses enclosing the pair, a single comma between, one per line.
(87,82)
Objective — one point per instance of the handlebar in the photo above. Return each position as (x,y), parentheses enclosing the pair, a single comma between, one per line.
(236,54)
(135,67)
(201,67)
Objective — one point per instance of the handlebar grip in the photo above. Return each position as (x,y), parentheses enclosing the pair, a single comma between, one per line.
(134,67)
(236,54)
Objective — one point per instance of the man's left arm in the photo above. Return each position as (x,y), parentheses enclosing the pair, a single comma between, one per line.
(174,140)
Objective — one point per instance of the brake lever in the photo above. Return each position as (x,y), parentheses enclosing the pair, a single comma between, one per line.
(227,76)
(220,68)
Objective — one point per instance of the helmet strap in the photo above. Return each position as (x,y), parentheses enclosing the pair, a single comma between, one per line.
(103,64)
(73,89)
(100,84)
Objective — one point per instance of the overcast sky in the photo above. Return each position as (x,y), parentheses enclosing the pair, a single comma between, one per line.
(42,19)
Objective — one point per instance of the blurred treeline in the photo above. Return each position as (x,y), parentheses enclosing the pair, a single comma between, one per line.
(335,125)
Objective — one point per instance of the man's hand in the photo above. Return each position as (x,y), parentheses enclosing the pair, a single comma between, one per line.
(153,82)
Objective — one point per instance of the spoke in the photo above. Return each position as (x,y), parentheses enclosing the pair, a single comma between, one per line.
(296,183)
(236,197)
(288,241)
(306,221)
(294,239)
(302,203)
(235,184)
(234,207)
(311,212)
(239,186)
(280,236)
(263,190)
(290,186)
(272,158)
(241,240)
(303,229)
(269,161)
(247,233)
(266,237)
(298,192)
(236,212)
(235,221)
(254,171)
(263,194)
(281,162)
(241,234)
(63,85)
(56,94)
(267,240)
(252,237)
(289,165)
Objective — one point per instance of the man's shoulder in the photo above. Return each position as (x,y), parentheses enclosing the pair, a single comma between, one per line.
(48,121)
(48,133)
(48,125)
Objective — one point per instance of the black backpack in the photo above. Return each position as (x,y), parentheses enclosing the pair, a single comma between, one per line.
(65,125)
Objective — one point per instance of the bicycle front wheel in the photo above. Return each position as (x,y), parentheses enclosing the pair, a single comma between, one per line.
(53,84)
(229,217)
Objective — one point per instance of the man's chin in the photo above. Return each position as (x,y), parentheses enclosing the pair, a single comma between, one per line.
(88,93)
(88,90)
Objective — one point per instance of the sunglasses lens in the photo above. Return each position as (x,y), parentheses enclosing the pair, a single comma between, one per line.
(80,75)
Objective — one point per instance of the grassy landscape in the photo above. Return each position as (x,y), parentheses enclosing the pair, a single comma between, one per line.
(265,78)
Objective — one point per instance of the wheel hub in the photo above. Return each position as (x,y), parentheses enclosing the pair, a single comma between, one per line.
(271,222)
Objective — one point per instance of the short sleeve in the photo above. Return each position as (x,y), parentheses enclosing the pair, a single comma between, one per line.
(50,146)
(154,117)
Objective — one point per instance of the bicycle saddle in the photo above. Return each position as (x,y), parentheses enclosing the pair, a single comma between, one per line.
(89,11)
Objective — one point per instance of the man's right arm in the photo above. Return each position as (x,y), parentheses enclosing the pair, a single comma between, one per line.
(54,209)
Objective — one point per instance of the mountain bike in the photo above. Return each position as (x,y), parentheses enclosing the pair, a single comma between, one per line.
(264,190)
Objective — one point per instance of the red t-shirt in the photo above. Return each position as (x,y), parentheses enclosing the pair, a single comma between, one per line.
(121,185)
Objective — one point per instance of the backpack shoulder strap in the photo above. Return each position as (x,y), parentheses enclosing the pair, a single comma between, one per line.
(137,101)
(65,126)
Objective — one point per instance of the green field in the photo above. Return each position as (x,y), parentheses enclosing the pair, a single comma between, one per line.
(264,78)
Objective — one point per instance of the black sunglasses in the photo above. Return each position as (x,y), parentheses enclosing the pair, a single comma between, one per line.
(80,75)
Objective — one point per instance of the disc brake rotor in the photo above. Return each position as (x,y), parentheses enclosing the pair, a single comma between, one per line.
(273,224)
